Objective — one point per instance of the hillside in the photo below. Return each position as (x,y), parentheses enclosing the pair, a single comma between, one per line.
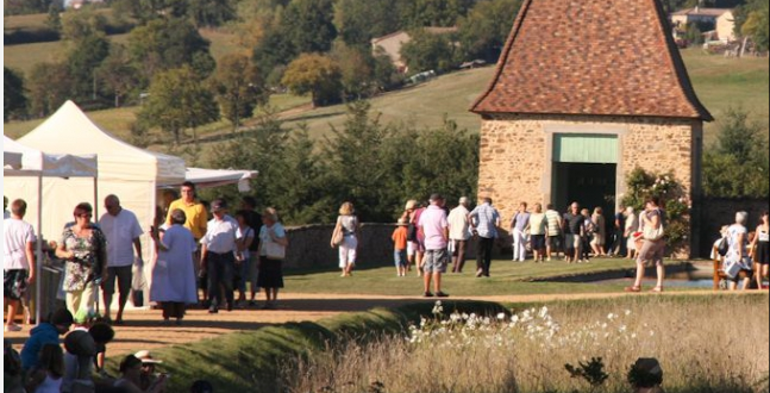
(720,83)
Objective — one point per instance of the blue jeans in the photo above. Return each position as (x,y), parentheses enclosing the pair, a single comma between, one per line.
(220,268)
(399,257)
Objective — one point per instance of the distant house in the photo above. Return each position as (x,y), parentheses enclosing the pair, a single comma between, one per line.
(721,20)
(391,44)
(77,4)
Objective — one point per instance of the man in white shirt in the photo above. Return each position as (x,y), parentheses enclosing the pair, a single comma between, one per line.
(459,223)
(122,231)
(18,260)
(218,248)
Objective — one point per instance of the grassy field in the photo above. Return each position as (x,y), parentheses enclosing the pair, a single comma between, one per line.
(508,278)
(506,354)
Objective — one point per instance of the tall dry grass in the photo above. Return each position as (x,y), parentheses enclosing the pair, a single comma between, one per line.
(717,344)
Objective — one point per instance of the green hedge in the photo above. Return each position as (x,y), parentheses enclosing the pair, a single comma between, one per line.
(250,361)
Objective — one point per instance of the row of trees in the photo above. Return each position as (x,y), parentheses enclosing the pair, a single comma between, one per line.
(377,166)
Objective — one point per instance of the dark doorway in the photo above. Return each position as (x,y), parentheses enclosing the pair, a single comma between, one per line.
(591,185)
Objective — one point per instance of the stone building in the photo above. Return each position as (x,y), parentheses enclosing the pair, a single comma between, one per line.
(584,92)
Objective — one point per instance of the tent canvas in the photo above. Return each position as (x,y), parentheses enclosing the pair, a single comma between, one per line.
(36,171)
(11,160)
(131,173)
(205,178)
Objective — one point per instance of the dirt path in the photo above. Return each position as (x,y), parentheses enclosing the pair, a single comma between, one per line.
(143,329)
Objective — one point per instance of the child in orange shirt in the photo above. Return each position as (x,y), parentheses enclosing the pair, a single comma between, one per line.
(399,243)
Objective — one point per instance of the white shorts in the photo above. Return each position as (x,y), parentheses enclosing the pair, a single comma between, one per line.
(348,251)
(411,248)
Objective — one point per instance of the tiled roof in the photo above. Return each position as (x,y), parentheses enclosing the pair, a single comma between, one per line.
(592,57)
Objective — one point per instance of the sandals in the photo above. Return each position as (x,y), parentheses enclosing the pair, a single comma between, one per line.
(657,290)
(633,289)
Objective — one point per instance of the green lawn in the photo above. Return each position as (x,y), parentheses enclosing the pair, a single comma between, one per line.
(508,278)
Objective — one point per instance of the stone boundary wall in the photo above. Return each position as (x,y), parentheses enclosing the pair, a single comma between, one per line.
(309,247)
(716,212)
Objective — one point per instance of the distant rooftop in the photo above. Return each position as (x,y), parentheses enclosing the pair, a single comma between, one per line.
(700,11)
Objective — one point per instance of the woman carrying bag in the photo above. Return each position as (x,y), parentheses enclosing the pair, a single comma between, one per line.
(272,252)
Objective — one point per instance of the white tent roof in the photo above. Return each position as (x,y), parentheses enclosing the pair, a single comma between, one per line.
(11,160)
(70,131)
(220,177)
(34,162)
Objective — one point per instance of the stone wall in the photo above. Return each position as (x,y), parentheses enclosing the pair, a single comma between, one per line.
(309,247)
(516,153)
(716,212)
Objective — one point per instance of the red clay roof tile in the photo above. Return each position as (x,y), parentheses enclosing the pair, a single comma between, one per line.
(592,57)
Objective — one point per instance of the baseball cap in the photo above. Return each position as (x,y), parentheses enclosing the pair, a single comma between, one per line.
(218,205)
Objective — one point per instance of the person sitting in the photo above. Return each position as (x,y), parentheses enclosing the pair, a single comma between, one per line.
(48,376)
(131,377)
(102,334)
(12,371)
(45,333)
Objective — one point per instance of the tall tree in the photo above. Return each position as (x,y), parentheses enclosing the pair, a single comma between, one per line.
(49,87)
(429,51)
(239,87)
(166,44)
(177,101)
(14,100)
(118,74)
(355,169)
(356,69)
(359,21)
(82,25)
(211,13)
(83,62)
(738,164)
(484,31)
(316,75)
(309,25)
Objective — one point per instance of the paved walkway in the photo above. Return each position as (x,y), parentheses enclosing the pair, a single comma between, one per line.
(143,329)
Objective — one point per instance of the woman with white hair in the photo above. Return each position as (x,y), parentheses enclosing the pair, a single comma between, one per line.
(737,239)
(632,225)
(272,251)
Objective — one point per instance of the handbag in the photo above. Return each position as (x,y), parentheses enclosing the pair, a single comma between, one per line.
(654,233)
(733,266)
(337,237)
(275,251)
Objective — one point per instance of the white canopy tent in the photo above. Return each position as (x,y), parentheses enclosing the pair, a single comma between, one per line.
(131,173)
(11,160)
(206,178)
(37,170)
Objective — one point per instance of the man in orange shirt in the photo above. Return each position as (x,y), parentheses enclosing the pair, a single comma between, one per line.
(399,242)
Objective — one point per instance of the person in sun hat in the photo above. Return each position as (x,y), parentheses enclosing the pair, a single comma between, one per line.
(149,364)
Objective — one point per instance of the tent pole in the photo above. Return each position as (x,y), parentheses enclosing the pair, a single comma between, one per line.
(39,249)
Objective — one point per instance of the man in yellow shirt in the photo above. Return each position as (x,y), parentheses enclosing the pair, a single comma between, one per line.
(197,217)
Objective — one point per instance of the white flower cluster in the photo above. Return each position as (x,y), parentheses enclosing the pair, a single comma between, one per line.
(532,326)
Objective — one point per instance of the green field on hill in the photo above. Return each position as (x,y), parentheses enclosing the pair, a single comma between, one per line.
(720,82)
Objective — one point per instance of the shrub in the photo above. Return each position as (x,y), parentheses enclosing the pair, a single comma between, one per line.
(643,185)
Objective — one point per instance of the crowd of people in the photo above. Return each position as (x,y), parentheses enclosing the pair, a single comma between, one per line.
(203,255)
(76,364)
(743,254)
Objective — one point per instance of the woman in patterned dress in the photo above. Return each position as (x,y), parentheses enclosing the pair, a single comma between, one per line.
(83,248)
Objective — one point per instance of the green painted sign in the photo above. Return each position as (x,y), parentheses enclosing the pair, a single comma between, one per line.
(585,148)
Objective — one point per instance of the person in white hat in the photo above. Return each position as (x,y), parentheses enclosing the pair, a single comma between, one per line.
(148,377)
